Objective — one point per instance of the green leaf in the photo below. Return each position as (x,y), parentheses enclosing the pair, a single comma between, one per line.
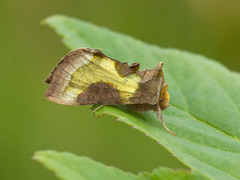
(72,167)
(204,98)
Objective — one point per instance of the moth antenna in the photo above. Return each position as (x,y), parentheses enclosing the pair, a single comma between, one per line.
(160,117)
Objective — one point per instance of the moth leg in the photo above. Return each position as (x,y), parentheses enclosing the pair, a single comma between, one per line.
(99,107)
(95,110)
(160,117)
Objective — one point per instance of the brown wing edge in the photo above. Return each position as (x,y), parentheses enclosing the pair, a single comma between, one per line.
(71,53)
(52,79)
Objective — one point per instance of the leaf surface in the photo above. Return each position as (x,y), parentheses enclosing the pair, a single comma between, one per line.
(204,98)
(71,167)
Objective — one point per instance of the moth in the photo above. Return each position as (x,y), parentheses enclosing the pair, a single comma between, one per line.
(88,77)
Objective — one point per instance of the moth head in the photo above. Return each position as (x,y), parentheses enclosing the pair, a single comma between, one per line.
(164,97)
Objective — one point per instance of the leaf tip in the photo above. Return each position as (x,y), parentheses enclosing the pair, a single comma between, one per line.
(53,18)
(40,155)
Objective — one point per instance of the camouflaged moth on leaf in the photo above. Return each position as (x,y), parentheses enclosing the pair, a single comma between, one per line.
(88,77)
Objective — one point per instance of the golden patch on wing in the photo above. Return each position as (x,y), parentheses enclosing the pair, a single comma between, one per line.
(101,69)
(82,68)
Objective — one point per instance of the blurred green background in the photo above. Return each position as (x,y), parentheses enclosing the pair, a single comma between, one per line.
(28,122)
